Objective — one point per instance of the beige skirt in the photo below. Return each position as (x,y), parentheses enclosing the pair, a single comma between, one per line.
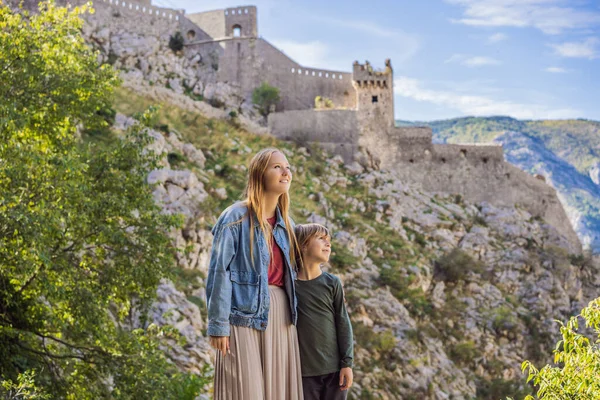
(263,365)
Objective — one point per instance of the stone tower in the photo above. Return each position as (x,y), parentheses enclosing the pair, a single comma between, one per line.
(241,22)
(375,93)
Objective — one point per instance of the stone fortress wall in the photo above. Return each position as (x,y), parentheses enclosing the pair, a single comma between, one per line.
(363,114)
(335,130)
(247,60)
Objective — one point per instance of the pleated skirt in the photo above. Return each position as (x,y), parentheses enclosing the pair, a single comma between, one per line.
(263,365)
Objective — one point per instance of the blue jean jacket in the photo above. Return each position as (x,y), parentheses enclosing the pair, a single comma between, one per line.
(237,290)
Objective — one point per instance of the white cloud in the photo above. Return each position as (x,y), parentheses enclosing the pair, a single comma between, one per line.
(475,104)
(497,37)
(309,54)
(556,70)
(472,61)
(480,61)
(549,16)
(585,49)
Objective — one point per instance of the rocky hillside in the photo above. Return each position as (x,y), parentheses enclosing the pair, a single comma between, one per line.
(446,298)
(566,153)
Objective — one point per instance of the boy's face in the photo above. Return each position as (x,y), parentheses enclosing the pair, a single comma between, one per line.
(318,248)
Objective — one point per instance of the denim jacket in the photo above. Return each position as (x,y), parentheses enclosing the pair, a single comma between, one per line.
(237,291)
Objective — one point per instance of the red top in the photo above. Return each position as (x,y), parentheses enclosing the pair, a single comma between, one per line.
(276,264)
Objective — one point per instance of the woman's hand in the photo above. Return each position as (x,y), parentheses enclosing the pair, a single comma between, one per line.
(346,378)
(220,343)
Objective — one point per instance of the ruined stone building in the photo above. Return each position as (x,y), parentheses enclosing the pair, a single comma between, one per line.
(360,117)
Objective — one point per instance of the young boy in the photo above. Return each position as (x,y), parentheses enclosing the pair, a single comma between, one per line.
(324,330)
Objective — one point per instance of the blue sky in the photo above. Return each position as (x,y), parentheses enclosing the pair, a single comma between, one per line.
(529,59)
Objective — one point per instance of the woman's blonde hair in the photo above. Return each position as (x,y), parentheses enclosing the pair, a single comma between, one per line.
(305,233)
(253,198)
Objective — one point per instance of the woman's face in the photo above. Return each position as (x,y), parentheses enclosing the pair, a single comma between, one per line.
(278,176)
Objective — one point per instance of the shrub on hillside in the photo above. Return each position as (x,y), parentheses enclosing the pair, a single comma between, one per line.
(383,343)
(265,97)
(464,352)
(504,320)
(455,266)
(176,42)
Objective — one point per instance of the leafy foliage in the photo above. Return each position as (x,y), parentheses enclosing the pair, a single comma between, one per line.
(82,244)
(265,97)
(576,375)
(323,102)
(23,389)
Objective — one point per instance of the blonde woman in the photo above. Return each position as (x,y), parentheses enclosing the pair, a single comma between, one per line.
(250,289)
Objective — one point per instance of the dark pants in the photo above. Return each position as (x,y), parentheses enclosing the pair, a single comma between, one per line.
(323,387)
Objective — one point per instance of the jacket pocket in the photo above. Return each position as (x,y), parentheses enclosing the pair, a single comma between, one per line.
(244,291)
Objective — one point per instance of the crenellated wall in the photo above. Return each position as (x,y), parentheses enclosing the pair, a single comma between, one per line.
(247,62)
(131,10)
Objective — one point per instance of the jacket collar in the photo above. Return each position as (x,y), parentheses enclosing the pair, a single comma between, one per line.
(280,221)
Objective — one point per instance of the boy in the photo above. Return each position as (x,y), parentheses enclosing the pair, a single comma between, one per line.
(324,330)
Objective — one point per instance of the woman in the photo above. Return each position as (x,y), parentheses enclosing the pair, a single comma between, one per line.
(250,289)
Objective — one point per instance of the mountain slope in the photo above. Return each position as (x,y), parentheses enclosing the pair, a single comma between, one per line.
(446,298)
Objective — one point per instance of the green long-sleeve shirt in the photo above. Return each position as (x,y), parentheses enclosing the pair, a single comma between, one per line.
(324,329)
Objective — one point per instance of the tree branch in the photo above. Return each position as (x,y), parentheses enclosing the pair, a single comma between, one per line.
(48,354)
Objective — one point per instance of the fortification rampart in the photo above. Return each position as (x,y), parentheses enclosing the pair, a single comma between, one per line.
(334,130)
(120,8)
(137,16)
(472,153)
(141,8)
(417,133)
(298,85)
(498,183)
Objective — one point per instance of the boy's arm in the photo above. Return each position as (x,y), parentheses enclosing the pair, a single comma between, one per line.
(343,327)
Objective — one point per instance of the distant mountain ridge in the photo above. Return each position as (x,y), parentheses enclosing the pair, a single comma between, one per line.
(565,152)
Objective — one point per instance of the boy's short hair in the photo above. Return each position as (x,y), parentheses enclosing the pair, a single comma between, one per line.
(305,233)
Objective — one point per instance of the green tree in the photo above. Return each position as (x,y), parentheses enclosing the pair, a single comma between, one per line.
(23,389)
(82,244)
(176,42)
(577,374)
(265,97)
